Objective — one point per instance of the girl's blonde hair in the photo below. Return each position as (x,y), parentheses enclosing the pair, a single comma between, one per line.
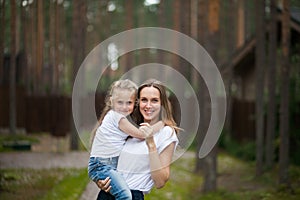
(125,84)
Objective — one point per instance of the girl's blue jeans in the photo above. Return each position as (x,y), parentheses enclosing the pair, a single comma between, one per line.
(100,168)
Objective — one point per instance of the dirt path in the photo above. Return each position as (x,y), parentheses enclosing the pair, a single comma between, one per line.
(43,160)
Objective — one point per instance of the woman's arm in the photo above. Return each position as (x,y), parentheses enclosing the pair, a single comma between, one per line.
(147,130)
(160,163)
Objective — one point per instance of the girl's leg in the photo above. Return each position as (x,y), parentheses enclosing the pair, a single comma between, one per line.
(99,169)
(119,188)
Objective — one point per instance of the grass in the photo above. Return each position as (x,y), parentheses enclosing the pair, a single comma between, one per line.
(236,180)
(51,184)
(4,138)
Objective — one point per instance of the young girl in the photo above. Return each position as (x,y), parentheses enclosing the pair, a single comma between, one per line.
(114,128)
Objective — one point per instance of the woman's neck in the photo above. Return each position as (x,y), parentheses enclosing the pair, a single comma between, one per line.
(151,122)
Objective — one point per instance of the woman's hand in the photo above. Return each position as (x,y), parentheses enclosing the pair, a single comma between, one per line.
(104,184)
(146,129)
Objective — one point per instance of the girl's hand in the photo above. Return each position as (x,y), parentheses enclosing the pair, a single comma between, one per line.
(104,184)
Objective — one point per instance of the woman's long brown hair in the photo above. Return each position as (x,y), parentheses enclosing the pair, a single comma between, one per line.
(166,112)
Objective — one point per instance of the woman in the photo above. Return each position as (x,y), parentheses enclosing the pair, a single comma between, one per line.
(111,134)
(146,163)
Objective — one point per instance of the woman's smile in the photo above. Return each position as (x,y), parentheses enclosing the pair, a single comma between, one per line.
(150,104)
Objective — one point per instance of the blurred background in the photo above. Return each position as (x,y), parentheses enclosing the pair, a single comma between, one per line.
(255,45)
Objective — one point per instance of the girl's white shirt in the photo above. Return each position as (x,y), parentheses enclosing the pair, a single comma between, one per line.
(109,139)
(134,159)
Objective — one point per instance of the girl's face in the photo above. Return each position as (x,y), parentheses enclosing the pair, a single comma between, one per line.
(150,104)
(123,101)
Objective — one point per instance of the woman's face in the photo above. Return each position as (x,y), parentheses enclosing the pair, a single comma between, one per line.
(150,104)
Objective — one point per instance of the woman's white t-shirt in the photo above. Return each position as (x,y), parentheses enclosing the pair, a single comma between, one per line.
(109,139)
(134,159)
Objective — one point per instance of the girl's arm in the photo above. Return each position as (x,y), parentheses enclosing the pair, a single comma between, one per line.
(127,127)
(160,163)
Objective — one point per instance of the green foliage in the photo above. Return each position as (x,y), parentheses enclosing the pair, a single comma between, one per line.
(244,151)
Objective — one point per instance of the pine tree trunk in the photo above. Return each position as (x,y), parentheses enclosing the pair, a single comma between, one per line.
(260,56)
(202,91)
(12,70)
(2,28)
(40,46)
(284,97)
(271,120)
(78,48)
(129,25)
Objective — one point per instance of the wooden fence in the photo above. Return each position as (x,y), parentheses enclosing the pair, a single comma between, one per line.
(53,113)
(243,120)
(37,113)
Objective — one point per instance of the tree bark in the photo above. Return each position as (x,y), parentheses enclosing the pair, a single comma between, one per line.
(202,90)
(78,48)
(129,25)
(212,35)
(271,120)
(210,169)
(260,63)
(284,96)
(12,74)
(241,24)
(40,47)
(2,28)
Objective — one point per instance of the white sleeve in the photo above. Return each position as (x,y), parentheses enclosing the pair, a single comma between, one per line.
(167,136)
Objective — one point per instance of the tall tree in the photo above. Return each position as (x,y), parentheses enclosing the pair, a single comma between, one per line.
(24,41)
(202,90)
(12,74)
(78,47)
(53,40)
(129,8)
(284,96)
(162,23)
(210,161)
(271,116)
(2,28)
(176,27)
(31,48)
(240,23)
(185,27)
(260,63)
(40,46)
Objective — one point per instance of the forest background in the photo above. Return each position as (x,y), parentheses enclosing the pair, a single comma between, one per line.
(43,43)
